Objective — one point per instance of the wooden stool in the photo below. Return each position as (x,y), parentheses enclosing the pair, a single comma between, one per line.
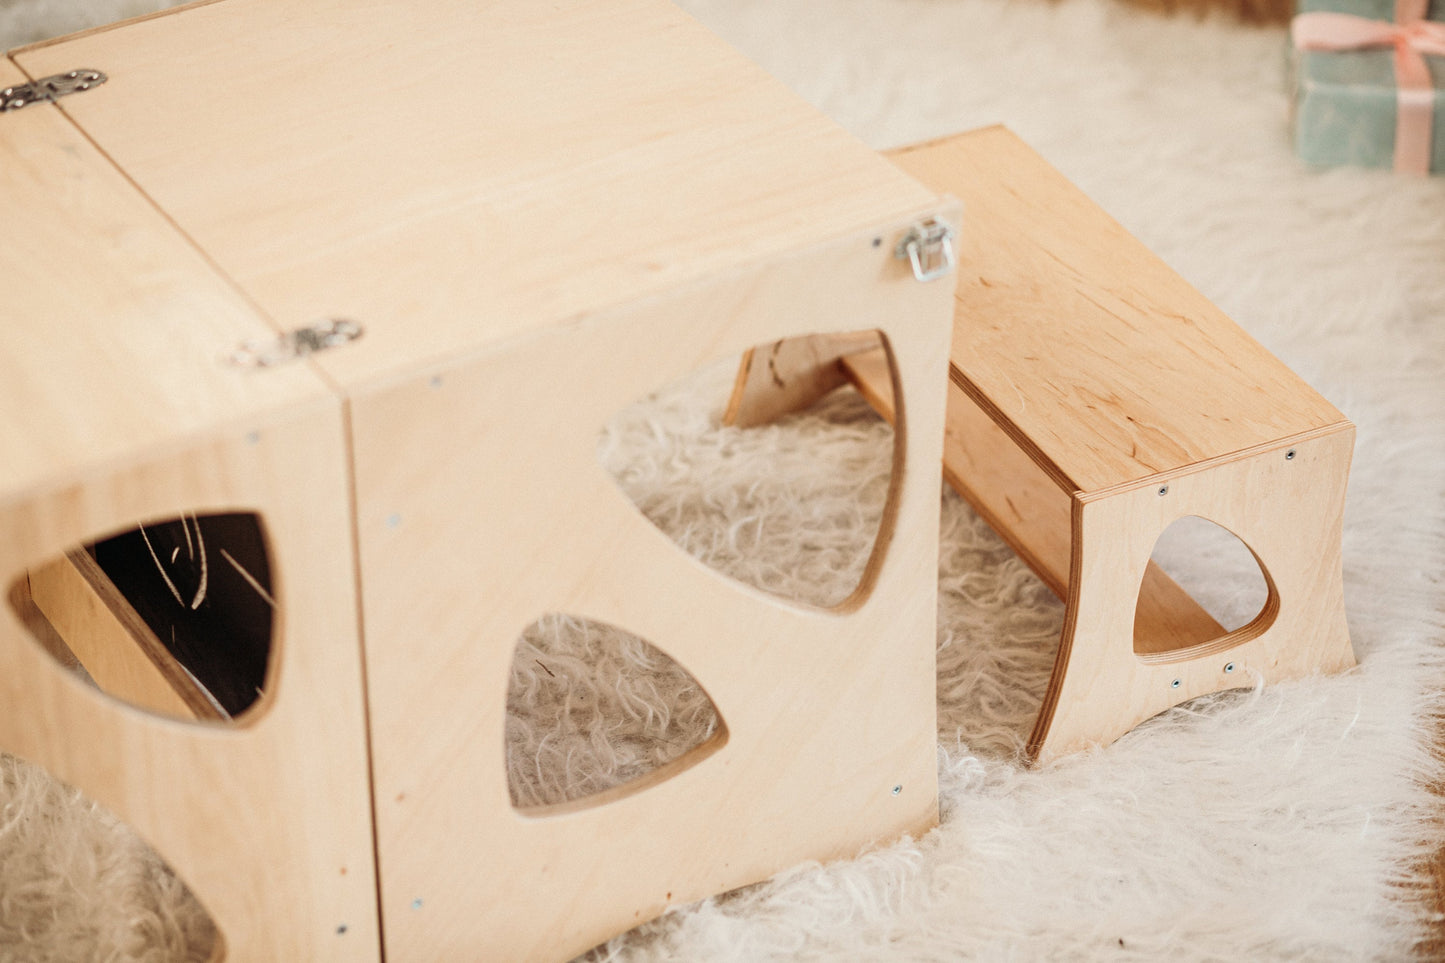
(527,216)
(1096,398)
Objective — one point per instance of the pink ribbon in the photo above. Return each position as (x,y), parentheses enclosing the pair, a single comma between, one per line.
(1411,36)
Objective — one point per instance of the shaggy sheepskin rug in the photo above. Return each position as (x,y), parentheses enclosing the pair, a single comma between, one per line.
(1287,822)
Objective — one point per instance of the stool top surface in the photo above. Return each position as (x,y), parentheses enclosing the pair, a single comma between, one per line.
(112,327)
(452,174)
(1083,344)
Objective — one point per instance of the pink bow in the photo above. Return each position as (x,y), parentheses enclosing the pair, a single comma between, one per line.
(1411,36)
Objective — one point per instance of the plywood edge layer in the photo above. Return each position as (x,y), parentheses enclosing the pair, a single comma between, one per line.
(1343,425)
(112,642)
(107,27)
(1050,702)
(992,130)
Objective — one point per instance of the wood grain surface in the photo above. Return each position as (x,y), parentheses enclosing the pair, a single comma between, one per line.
(1085,347)
(114,326)
(508,166)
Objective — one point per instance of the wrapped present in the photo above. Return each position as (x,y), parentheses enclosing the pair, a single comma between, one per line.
(1370,83)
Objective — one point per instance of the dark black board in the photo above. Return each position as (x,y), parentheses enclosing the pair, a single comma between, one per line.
(183,577)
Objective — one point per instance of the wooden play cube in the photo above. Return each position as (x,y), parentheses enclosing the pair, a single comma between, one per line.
(374,275)
(1095,398)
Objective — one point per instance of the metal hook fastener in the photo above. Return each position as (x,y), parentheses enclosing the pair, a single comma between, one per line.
(928,246)
(295,344)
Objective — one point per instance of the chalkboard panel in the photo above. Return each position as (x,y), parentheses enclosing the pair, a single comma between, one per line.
(203,586)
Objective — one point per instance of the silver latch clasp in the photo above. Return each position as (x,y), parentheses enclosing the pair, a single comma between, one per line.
(50,88)
(295,344)
(928,246)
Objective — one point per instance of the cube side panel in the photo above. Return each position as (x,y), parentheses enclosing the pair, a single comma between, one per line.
(482,506)
(268,821)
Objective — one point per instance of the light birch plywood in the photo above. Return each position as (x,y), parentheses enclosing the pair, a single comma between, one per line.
(792,374)
(1086,348)
(119,412)
(611,181)
(1114,376)
(1288,511)
(1082,371)
(113,326)
(267,822)
(1030,512)
(452,175)
(481,505)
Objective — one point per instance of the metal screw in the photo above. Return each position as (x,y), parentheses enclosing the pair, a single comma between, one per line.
(1229,667)
(416,903)
(1163,490)
(878,242)
(1289,455)
(897,790)
(1174,684)
(341,930)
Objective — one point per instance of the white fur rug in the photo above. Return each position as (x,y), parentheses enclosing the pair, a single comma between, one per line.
(1276,824)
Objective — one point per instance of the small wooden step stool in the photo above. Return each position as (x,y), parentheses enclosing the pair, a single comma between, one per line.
(1095,399)
(460,236)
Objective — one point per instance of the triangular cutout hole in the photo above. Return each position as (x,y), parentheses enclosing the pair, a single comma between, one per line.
(78,883)
(174,616)
(594,713)
(797,507)
(1204,589)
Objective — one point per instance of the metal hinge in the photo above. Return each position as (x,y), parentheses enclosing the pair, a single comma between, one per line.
(928,246)
(51,88)
(295,344)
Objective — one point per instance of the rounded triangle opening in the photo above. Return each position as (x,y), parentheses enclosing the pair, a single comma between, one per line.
(812,525)
(1204,591)
(595,713)
(174,616)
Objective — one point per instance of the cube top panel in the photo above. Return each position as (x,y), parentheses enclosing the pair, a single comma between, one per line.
(112,328)
(453,174)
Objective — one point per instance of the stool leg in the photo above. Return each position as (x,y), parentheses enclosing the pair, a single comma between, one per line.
(1286,502)
(791,374)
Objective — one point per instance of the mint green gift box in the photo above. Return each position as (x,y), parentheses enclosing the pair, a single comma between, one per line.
(1345,102)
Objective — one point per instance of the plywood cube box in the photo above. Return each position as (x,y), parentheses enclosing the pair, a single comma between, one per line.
(496,225)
